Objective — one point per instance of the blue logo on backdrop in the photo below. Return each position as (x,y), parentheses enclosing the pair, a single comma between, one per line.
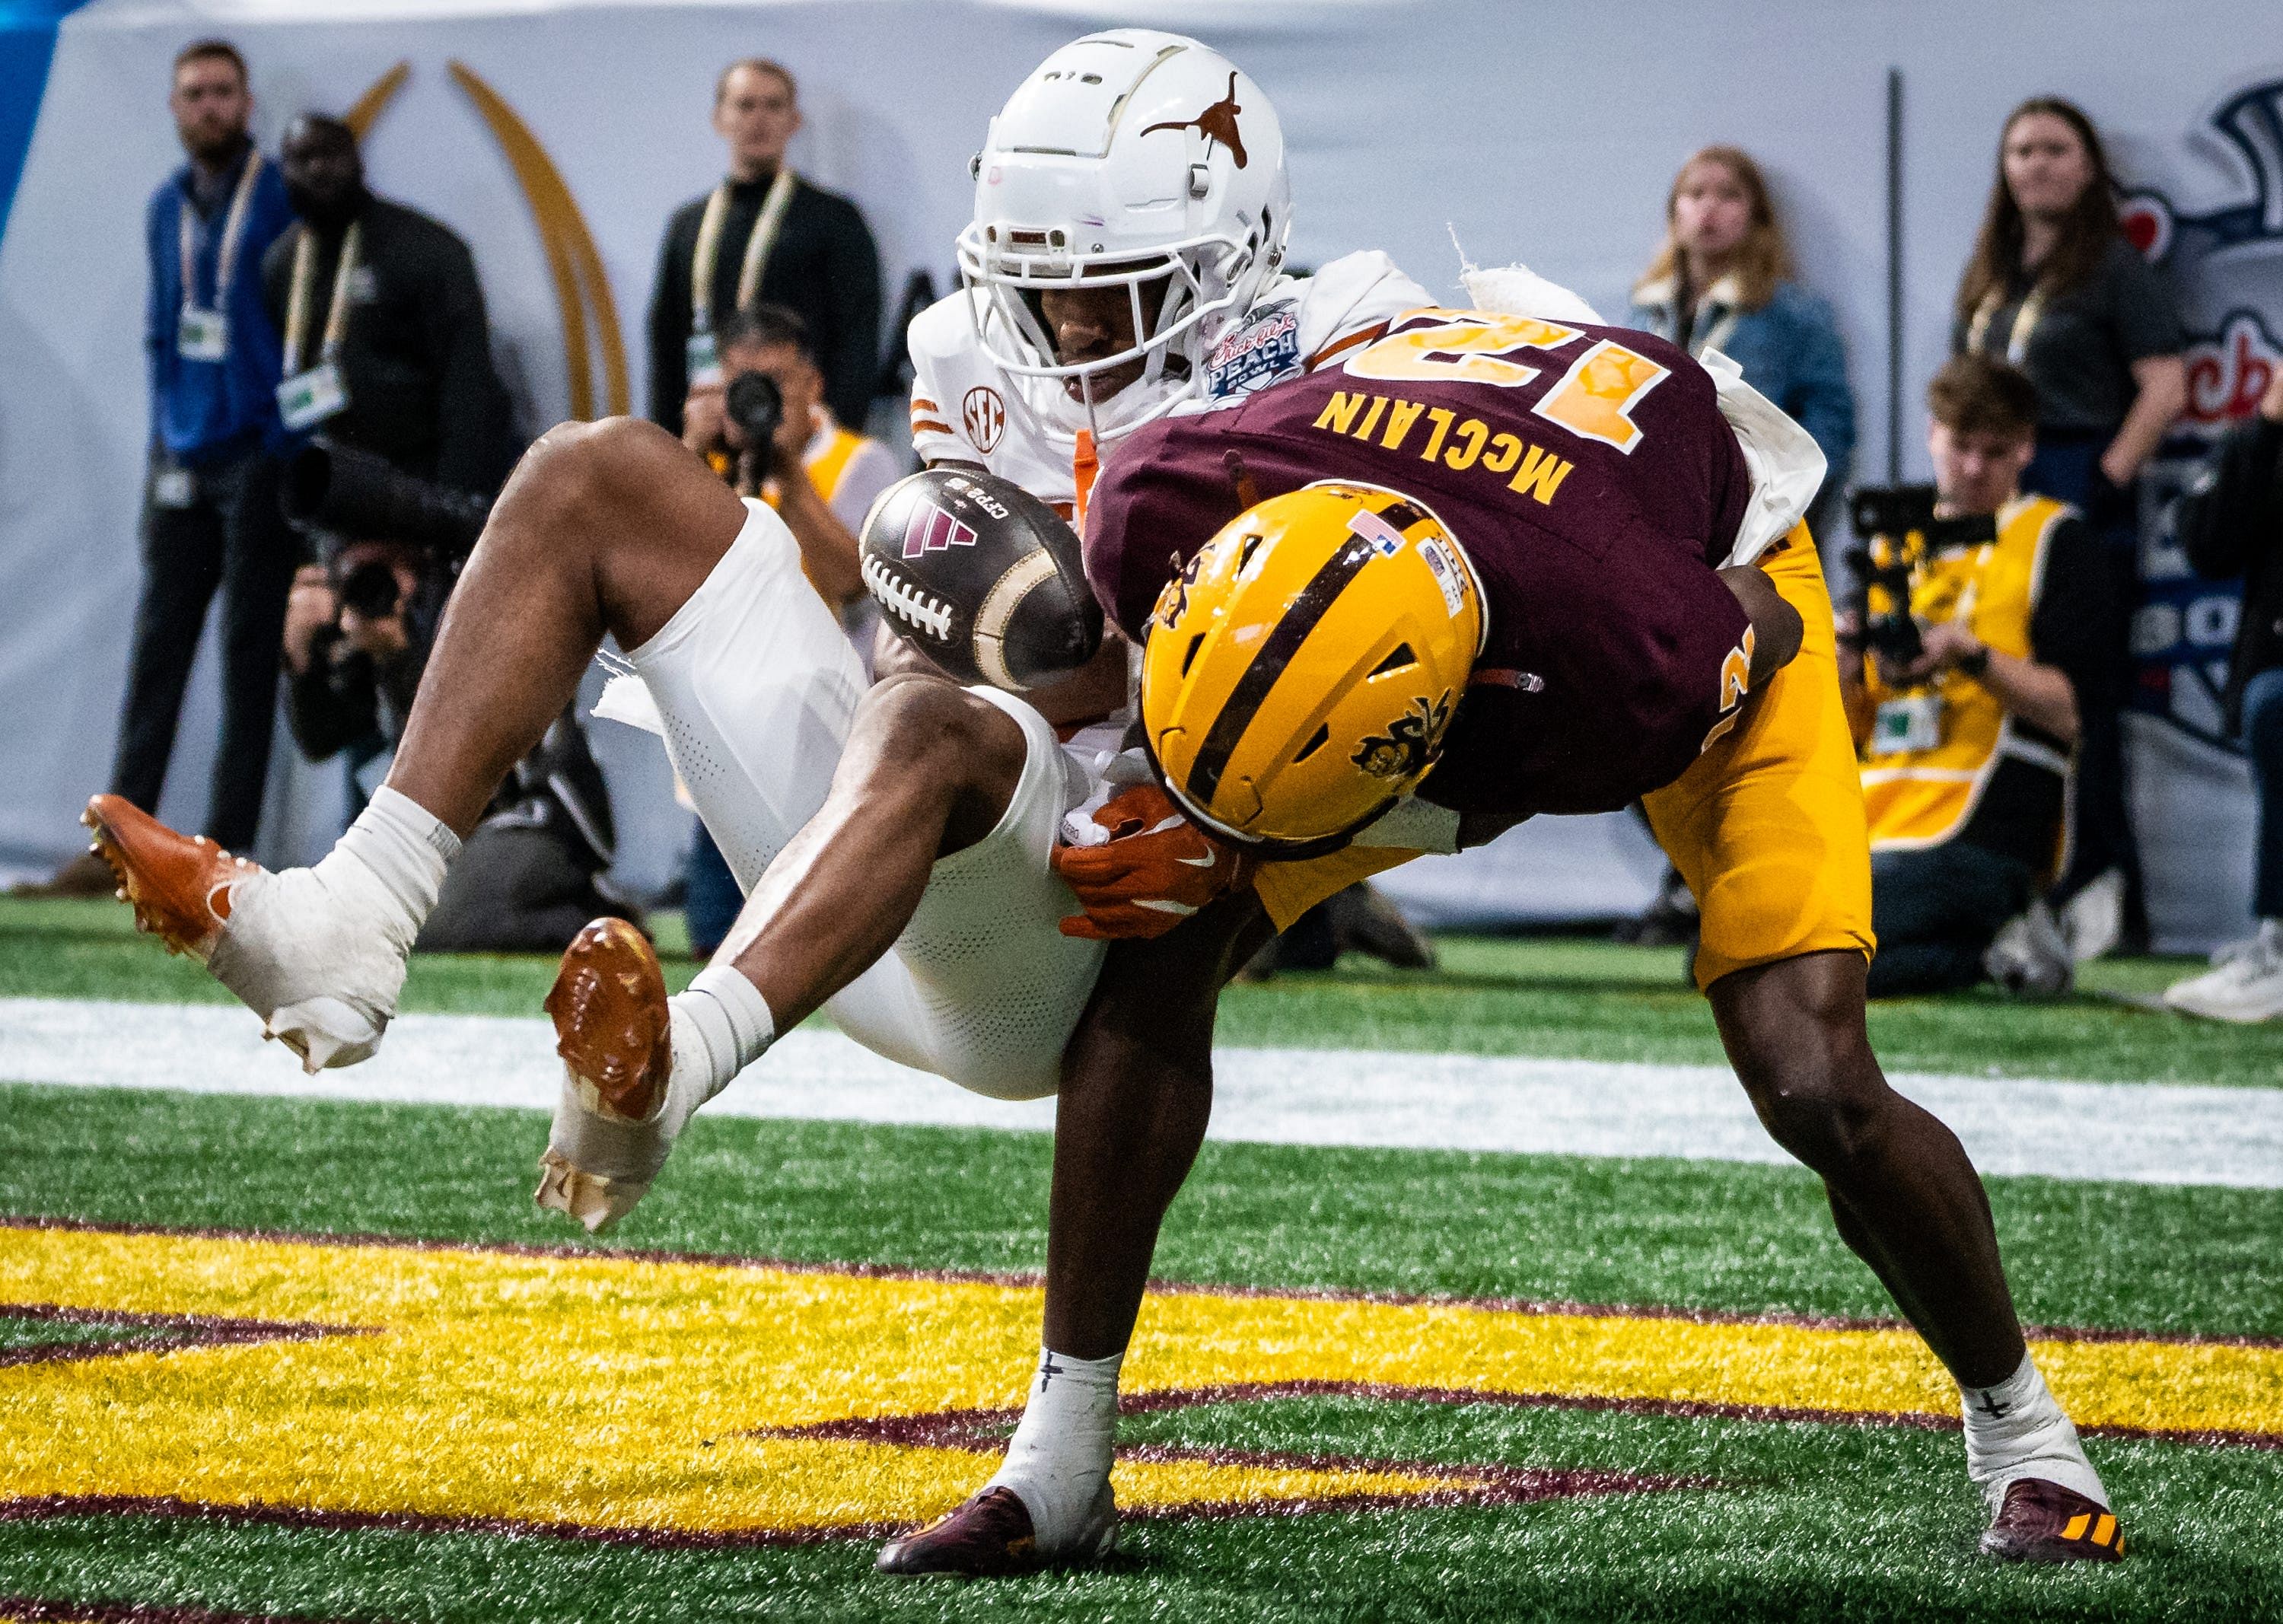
(2226,266)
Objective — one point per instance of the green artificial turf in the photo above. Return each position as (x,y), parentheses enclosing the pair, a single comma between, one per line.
(1801,1522)
(1700,1234)
(1556,996)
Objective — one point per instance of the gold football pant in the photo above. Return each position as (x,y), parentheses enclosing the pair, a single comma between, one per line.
(1767,825)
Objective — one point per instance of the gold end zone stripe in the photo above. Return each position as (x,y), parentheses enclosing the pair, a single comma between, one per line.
(726,1400)
(1314,602)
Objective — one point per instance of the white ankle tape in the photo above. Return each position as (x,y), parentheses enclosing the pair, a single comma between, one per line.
(1058,1461)
(405,846)
(731,1017)
(2016,1429)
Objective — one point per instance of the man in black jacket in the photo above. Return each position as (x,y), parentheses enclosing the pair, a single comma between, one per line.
(386,346)
(2231,523)
(764,235)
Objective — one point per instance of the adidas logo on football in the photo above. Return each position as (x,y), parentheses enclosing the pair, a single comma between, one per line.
(932,530)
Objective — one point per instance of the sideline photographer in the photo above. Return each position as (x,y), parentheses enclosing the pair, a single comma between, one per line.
(1978,638)
(358,633)
(766,429)
(2230,524)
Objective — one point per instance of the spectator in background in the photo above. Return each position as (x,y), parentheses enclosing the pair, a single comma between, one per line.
(821,478)
(386,347)
(386,350)
(2230,523)
(2054,287)
(1965,748)
(1723,280)
(764,234)
(210,514)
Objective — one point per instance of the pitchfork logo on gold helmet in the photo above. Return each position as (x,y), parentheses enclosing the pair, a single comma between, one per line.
(1299,675)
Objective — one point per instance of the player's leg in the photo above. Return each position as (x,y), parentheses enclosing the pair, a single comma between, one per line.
(929,771)
(1136,1094)
(1768,828)
(608,528)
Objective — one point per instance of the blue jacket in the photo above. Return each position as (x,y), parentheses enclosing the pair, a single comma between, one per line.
(1789,350)
(202,410)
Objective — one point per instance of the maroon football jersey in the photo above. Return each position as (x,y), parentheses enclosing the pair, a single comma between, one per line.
(1587,474)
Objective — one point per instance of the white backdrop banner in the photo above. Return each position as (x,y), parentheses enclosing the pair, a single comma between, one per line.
(1546,134)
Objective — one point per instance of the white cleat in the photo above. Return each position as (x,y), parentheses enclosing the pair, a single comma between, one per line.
(2245,984)
(309,951)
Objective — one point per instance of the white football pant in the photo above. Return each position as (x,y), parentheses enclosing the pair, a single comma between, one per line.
(756,686)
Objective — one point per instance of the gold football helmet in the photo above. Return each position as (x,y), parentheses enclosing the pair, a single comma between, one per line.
(1299,675)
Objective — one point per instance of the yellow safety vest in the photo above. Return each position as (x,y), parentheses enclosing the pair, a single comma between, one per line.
(1935,745)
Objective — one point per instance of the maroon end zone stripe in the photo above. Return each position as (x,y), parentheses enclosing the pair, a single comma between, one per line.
(174,1331)
(573,1251)
(982,1429)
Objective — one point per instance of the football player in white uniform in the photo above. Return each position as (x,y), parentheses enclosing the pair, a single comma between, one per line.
(1124,262)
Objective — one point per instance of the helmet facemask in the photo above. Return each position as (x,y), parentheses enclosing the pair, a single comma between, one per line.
(1197,285)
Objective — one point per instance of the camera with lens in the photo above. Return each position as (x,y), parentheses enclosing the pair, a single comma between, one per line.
(340,491)
(756,405)
(1900,532)
(368,588)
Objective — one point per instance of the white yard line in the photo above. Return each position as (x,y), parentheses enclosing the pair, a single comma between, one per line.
(2142,1133)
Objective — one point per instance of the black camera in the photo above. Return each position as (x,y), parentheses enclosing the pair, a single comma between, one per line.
(1900,532)
(357,495)
(370,589)
(756,405)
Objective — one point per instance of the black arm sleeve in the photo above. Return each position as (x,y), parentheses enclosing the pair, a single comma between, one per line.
(334,703)
(852,358)
(2071,624)
(2235,500)
(669,325)
(472,429)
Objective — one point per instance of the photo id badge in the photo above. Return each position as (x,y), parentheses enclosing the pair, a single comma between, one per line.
(308,399)
(705,362)
(202,335)
(1906,725)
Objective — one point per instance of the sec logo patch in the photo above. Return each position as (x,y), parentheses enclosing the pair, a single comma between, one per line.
(984,416)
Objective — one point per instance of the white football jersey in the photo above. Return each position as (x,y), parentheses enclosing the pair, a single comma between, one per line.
(960,413)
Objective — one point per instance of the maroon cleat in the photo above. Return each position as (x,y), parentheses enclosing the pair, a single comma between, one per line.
(989,1536)
(2040,1521)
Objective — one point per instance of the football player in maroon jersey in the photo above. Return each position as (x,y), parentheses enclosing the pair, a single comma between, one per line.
(1649,621)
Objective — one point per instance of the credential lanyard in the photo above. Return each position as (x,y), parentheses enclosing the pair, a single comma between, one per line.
(758,247)
(297,306)
(2025,322)
(233,233)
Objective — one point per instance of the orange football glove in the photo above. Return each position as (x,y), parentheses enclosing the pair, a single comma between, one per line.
(1155,870)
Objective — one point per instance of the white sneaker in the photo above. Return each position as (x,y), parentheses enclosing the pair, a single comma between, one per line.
(2246,986)
(2029,956)
(312,951)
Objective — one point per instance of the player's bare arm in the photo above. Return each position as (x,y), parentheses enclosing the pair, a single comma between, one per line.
(1777,627)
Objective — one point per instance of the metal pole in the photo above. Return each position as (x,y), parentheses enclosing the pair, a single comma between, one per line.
(1894,275)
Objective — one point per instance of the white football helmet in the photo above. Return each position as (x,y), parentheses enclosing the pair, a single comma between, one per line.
(1129,159)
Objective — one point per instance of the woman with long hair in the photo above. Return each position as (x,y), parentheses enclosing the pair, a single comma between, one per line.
(1723,280)
(2054,287)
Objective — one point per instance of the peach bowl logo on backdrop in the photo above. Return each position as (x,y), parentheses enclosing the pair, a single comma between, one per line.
(2226,263)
